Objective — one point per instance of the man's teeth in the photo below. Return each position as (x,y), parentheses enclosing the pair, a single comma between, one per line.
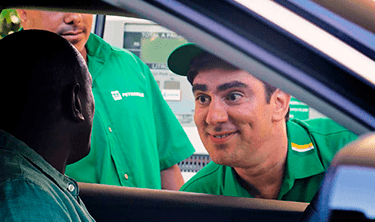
(222,136)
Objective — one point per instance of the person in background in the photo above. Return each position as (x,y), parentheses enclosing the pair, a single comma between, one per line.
(47,114)
(137,141)
(244,125)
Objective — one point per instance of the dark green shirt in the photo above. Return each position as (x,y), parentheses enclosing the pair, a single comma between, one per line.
(135,133)
(32,190)
(312,145)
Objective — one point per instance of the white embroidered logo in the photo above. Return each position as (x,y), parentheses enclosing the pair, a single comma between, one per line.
(116,95)
(133,94)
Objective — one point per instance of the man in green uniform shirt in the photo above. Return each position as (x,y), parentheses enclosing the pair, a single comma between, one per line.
(244,125)
(137,141)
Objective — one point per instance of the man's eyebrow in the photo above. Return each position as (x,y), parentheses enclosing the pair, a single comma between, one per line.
(233,84)
(200,87)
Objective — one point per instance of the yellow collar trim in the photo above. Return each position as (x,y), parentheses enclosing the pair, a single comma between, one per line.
(302,148)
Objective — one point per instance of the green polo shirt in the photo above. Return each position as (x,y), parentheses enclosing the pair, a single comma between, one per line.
(312,145)
(32,190)
(135,134)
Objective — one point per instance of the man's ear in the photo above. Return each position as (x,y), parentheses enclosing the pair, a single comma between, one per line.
(281,103)
(76,108)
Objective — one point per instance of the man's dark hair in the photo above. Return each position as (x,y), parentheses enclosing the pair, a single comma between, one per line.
(207,61)
(34,73)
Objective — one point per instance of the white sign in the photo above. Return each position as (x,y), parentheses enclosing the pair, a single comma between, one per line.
(171,94)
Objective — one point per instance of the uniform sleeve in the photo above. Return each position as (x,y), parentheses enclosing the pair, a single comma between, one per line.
(330,139)
(23,201)
(173,143)
(334,143)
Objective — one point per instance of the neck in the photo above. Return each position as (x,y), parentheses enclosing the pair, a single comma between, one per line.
(52,145)
(263,182)
(84,53)
(263,179)
(58,160)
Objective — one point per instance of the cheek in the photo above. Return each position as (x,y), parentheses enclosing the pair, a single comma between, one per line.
(49,27)
(199,116)
(251,111)
(243,115)
(88,19)
(50,23)
(199,119)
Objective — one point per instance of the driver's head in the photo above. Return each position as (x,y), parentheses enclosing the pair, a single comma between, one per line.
(45,88)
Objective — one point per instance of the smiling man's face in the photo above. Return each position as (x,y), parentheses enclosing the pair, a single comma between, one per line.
(234,120)
(74,27)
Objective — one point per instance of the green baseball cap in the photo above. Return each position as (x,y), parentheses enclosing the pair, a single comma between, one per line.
(179,59)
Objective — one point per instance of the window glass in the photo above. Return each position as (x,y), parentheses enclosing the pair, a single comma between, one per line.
(153,44)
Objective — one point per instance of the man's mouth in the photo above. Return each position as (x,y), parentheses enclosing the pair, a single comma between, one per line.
(73,36)
(222,136)
(72,33)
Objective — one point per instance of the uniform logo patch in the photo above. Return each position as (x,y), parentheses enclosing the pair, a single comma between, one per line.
(116,95)
(302,148)
(119,96)
(137,94)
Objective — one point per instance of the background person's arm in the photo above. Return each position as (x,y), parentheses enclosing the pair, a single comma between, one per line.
(171,178)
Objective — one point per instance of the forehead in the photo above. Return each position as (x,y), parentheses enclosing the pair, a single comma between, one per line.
(215,79)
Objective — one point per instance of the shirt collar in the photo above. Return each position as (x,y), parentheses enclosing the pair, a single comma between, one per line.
(98,52)
(10,142)
(231,186)
(302,161)
(303,158)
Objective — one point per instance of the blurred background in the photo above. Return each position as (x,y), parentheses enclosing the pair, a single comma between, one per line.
(9,22)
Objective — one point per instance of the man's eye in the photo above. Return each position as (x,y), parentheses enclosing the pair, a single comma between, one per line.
(234,96)
(202,99)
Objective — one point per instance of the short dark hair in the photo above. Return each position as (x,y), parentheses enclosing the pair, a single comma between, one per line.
(43,74)
(207,61)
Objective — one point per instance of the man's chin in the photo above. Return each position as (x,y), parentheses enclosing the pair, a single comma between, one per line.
(79,44)
(220,159)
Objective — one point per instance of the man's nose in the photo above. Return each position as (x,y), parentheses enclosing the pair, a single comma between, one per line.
(72,18)
(217,113)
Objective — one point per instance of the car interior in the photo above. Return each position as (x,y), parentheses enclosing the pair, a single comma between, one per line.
(245,34)
(344,192)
